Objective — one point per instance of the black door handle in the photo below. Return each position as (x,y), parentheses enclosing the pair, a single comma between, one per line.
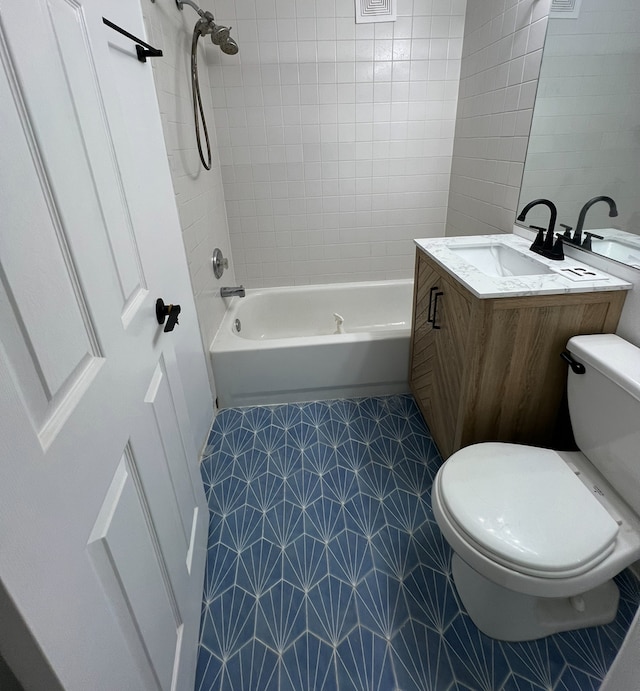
(435,308)
(168,312)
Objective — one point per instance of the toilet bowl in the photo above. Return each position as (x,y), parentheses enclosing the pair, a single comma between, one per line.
(538,534)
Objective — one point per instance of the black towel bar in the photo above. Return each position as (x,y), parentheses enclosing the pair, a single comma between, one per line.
(143,50)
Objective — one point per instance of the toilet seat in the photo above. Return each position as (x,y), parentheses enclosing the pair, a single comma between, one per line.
(525,508)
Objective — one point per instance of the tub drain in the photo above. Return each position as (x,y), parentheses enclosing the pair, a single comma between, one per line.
(238,325)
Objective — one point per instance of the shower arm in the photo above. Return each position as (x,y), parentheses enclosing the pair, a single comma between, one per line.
(181,3)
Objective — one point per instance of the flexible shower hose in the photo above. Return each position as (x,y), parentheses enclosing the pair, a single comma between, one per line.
(198,112)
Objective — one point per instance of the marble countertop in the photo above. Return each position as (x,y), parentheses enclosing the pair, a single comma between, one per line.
(567,276)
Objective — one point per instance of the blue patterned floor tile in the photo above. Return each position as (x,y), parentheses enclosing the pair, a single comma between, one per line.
(230,494)
(281,616)
(414,477)
(283,524)
(387,452)
(364,515)
(587,650)
(303,488)
(431,599)
(574,679)
(257,419)
(344,411)
(237,442)
(266,492)
(382,604)
(332,610)
(209,672)
(324,520)
(305,562)
(340,484)
(405,511)
(215,529)
(420,659)
(394,552)
(254,668)
(353,454)
(286,416)
(241,528)
(365,430)
(250,465)
(270,439)
(308,664)
(316,413)
(537,662)
(228,622)
(302,436)
(376,481)
(259,568)
(350,557)
(214,468)
(477,660)
(285,461)
(326,570)
(432,549)
(320,459)
(364,663)
(220,572)
(333,434)
(516,683)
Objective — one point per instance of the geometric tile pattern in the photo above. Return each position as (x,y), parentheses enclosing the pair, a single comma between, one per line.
(326,570)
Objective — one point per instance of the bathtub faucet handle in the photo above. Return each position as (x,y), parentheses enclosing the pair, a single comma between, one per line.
(339,322)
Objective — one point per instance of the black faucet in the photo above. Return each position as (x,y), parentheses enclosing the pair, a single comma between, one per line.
(545,245)
(613,211)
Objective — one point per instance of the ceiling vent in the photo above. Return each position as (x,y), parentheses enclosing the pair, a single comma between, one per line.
(565,9)
(368,11)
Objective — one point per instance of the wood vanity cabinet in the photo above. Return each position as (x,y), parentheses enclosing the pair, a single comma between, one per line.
(490,369)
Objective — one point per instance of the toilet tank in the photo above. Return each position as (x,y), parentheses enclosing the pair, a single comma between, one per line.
(604,405)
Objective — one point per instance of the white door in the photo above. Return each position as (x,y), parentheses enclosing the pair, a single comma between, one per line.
(103,518)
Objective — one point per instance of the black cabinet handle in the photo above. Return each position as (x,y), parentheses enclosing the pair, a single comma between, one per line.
(435,308)
(431,292)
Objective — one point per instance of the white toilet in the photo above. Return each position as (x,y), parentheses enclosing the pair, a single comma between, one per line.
(539,534)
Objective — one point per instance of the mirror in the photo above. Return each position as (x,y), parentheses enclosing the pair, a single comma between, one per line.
(585,135)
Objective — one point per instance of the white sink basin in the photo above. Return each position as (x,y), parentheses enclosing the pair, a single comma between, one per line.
(618,250)
(495,259)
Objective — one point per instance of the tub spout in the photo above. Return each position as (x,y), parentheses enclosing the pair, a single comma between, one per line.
(232,291)
(339,322)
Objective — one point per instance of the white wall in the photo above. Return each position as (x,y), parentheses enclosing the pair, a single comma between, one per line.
(335,138)
(584,140)
(199,193)
(500,66)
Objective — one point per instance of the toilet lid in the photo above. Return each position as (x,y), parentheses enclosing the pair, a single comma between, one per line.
(526,506)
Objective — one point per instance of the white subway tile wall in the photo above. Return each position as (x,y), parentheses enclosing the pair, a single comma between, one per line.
(584,139)
(335,139)
(503,41)
(199,193)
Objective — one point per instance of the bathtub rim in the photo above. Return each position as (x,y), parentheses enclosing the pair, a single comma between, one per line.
(226,339)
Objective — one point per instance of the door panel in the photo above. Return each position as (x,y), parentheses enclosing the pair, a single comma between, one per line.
(53,348)
(102,513)
(72,41)
(129,563)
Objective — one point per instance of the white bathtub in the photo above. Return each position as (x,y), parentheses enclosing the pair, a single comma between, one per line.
(288,350)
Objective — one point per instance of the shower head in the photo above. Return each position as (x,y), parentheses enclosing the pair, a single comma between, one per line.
(219,34)
(230,47)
